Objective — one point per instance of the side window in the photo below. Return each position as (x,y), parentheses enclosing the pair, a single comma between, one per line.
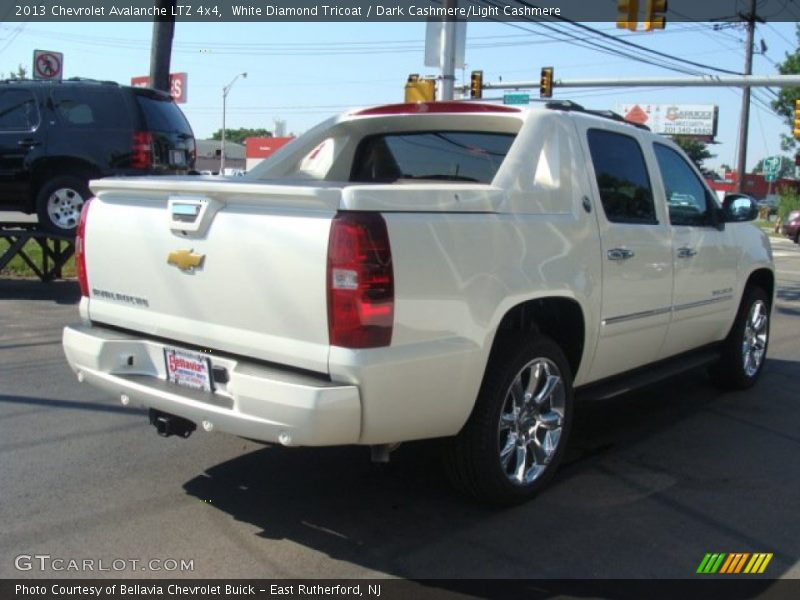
(18,111)
(622,177)
(687,198)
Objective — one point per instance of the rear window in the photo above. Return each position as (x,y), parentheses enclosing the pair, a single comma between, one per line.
(162,115)
(468,156)
(90,108)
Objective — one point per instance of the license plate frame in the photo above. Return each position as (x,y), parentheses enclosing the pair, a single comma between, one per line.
(189,369)
(178,157)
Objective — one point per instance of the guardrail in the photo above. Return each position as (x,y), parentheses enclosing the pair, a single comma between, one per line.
(56,249)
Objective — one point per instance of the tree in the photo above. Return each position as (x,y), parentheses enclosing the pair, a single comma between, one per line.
(238,135)
(20,73)
(694,148)
(784,104)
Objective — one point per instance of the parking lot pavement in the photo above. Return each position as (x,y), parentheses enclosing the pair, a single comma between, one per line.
(654,480)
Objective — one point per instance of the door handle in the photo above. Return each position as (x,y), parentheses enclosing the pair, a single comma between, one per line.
(686,252)
(619,254)
(28,143)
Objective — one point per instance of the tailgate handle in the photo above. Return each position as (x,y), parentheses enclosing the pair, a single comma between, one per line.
(191,216)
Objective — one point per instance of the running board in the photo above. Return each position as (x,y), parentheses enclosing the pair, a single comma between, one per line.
(637,378)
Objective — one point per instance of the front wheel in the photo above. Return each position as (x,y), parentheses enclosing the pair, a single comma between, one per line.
(517,433)
(744,351)
(59,203)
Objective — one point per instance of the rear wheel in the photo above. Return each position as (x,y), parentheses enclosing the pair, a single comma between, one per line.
(744,351)
(516,435)
(59,203)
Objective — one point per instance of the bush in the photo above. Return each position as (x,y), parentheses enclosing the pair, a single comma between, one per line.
(789,201)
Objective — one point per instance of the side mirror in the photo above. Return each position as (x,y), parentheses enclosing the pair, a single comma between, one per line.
(737,208)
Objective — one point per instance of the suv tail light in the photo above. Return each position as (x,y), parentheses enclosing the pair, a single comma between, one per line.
(360,281)
(142,151)
(80,250)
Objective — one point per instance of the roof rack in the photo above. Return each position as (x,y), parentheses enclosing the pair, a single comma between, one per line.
(70,80)
(569,105)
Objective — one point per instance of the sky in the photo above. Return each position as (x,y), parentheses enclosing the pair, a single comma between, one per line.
(305,72)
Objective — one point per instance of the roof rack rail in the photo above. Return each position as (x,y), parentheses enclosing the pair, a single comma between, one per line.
(569,105)
(71,79)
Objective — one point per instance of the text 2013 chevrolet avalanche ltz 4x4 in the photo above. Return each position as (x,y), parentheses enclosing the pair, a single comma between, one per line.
(444,270)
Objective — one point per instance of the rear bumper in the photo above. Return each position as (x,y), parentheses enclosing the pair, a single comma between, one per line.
(259,402)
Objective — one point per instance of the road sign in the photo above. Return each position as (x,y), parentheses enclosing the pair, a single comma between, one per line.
(770,177)
(48,65)
(178,85)
(772,165)
(516,98)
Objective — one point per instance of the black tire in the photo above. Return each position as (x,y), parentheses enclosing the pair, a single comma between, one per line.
(473,457)
(59,202)
(732,372)
(797,237)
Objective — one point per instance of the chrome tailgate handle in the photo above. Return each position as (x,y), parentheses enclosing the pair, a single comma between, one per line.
(620,254)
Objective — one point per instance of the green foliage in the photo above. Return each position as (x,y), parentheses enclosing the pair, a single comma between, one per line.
(238,135)
(784,104)
(789,200)
(20,73)
(694,148)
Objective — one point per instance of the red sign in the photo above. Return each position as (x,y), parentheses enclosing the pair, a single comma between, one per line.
(47,65)
(263,147)
(178,85)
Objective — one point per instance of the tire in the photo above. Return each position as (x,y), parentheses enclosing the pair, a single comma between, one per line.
(797,237)
(59,202)
(744,351)
(504,456)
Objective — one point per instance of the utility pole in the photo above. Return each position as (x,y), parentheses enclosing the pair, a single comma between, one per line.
(741,160)
(161,46)
(449,51)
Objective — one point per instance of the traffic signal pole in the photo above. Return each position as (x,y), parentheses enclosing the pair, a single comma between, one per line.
(449,54)
(161,46)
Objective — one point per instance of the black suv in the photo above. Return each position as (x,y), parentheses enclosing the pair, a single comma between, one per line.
(56,136)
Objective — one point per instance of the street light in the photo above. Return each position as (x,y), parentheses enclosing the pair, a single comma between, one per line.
(225,91)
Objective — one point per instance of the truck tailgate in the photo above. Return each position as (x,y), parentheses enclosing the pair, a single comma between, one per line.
(258,287)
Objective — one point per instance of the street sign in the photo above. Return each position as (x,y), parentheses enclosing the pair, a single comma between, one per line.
(178,85)
(516,98)
(48,65)
(770,177)
(772,165)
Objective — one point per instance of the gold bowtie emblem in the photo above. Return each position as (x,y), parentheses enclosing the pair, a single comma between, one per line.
(185,260)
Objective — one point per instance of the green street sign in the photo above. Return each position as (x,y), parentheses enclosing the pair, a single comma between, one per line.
(771,167)
(770,177)
(517,98)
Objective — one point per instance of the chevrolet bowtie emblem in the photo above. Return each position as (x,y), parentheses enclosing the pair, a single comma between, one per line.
(185,260)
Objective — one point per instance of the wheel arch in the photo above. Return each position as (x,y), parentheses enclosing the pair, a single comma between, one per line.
(53,166)
(763,278)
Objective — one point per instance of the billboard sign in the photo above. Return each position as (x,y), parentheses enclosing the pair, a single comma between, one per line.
(673,119)
(178,85)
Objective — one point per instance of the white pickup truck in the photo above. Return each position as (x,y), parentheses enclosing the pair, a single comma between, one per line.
(446,270)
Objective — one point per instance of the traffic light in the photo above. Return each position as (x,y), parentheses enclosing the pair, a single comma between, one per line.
(420,90)
(628,15)
(655,15)
(476,85)
(546,83)
(797,119)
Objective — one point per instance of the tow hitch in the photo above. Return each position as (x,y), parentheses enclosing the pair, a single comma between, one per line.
(167,424)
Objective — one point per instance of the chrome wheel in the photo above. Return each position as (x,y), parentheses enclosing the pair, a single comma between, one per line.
(64,207)
(754,344)
(531,421)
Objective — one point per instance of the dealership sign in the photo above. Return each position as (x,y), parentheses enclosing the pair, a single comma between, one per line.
(674,119)
(177,85)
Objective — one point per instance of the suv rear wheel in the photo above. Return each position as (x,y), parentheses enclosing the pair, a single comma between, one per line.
(59,203)
(518,430)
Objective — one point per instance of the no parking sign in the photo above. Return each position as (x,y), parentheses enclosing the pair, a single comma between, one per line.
(48,65)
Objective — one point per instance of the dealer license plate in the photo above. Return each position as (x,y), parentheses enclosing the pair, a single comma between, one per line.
(178,157)
(188,369)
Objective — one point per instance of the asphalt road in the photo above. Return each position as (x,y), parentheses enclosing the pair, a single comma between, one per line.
(655,479)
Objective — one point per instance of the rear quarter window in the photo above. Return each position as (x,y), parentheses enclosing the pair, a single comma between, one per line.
(448,156)
(91,108)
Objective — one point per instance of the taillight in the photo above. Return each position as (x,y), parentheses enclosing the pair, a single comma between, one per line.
(142,151)
(80,250)
(360,281)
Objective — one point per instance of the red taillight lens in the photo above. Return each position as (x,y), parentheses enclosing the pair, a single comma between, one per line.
(360,281)
(80,250)
(142,151)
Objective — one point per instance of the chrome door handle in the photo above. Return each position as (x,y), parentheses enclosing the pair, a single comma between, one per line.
(686,252)
(619,254)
